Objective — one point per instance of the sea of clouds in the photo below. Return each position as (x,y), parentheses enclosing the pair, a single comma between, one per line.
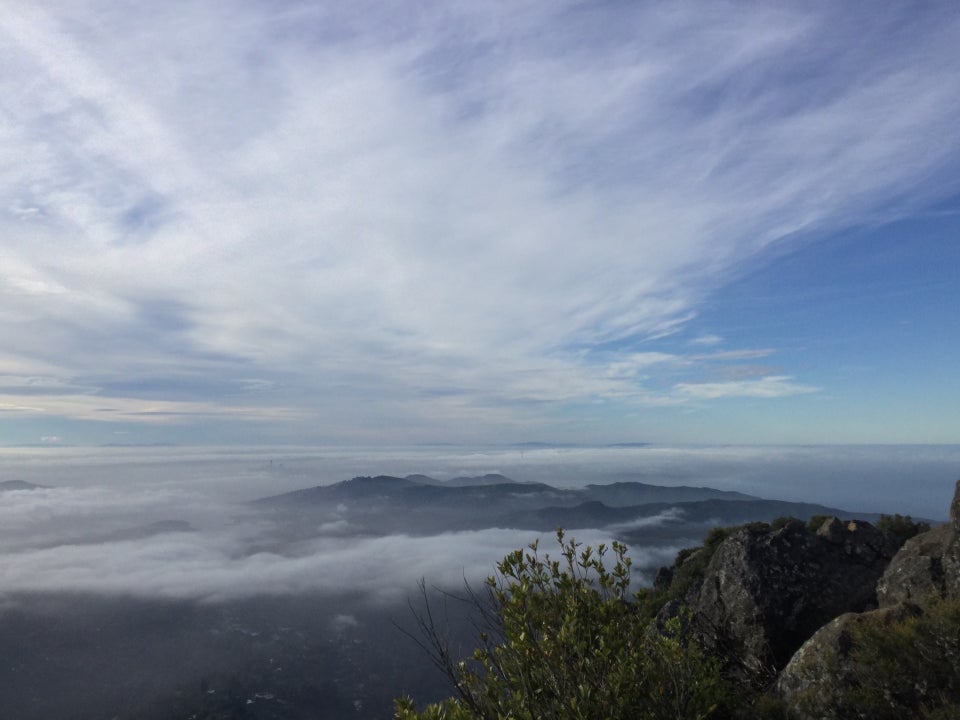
(92,529)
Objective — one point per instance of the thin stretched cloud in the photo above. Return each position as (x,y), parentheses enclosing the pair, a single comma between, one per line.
(772,386)
(383,214)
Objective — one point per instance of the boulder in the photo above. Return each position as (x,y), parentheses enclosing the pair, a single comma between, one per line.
(766,591)
(917,572)
(821,672)
(927,566)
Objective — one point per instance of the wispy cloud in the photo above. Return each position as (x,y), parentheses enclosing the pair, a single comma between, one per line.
(746,354)
(355,204)
(630,365)
(667,516)
(772,386)
(91,407)
(706,340)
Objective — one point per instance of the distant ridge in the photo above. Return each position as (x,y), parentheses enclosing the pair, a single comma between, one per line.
(546,445)
(415,488)
(8,485)
(355,488)
(421,505)
(635,493)
(488,479)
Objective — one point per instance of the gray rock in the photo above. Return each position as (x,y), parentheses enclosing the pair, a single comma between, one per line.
(767,591)
(951,555)
(663,578)
(927,566)
(821,671)
(917,571)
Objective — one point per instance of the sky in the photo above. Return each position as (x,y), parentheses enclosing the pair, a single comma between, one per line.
(425,222)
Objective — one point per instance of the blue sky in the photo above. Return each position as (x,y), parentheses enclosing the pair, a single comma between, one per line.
(479,222)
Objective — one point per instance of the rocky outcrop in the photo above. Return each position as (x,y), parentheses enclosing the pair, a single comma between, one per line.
(821,675)
(918,571)
(927,566)
(786,607)
(815,682)
(663,578)
(766,591)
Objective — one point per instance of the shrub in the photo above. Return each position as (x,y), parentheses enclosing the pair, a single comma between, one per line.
(902,527)
(562,639)
(781,521)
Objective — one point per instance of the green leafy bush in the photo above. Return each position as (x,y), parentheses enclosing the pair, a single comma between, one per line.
(902,527)
(562,638)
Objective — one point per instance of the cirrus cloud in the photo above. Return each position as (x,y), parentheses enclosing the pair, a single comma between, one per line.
(772,386)
(442,215)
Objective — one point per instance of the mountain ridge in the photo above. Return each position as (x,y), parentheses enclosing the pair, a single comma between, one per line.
(635,512)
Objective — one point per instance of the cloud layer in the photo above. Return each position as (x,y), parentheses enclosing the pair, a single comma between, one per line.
(106,527)
(208,567)
(100,540)
(384,220)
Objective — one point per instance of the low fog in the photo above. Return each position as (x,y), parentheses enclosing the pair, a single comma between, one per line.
(226,563)
(157,568)
(178,523)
